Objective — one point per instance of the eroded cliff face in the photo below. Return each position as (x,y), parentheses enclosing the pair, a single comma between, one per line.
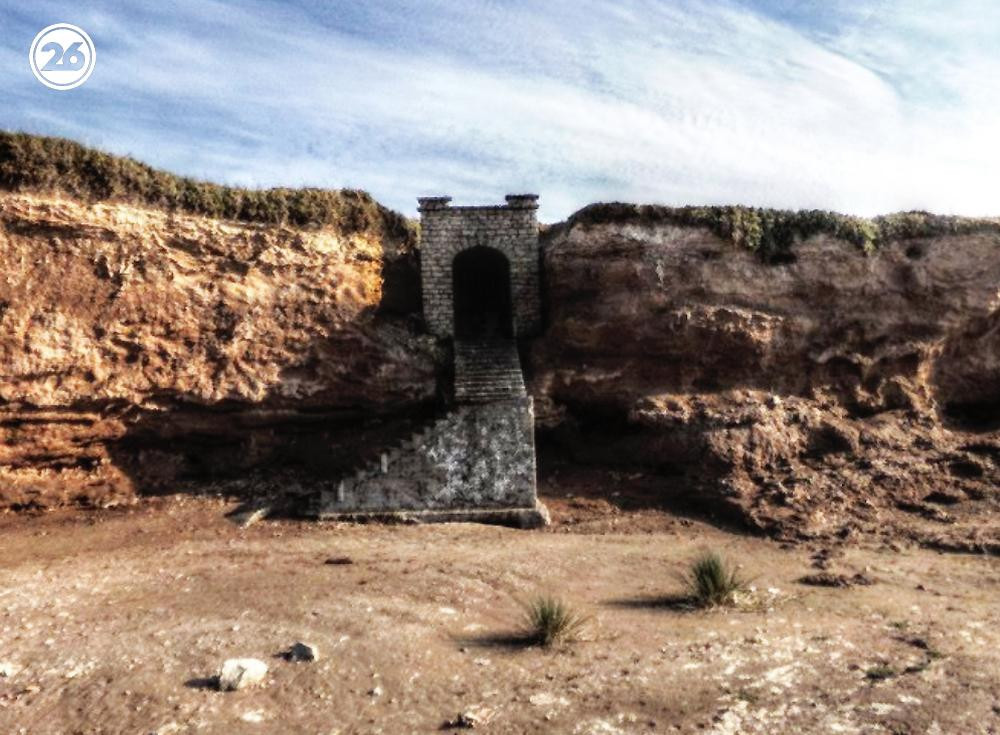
(141,348)
(832,392)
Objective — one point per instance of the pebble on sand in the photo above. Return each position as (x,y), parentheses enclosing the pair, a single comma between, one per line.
(302,652)
(240,673)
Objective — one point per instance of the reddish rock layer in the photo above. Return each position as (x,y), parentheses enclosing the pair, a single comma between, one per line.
(144,351)
(834,391)
(140,348)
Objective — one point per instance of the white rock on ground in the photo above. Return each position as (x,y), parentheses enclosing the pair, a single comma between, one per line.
(167,729)
(240,673)
(471,718)
(8,669)
(303,652)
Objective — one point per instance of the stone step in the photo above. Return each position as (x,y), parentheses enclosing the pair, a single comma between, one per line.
(488,370)
(513,384)
(484,397)
(491,378)
(485,372)
(491,386)
(461,372)
(516,377)
(474,400)
(481,364)
(509,390)
(389,457)
(510,387)
(513,379)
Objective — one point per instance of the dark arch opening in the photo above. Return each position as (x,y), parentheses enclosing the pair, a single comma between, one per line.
(481,288)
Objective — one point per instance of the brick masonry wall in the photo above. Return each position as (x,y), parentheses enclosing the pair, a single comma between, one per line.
(476,457)
(446,231)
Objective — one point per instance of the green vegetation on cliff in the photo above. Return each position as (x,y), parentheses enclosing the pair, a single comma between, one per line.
(44,164)
(773,232)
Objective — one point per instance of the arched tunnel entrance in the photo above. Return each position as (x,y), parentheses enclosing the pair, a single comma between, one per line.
(481,288)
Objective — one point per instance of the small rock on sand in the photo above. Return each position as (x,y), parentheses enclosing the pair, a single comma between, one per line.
(339,560)
(168,729)
(302,652)
(544,699)
(7,669)
(829,579)
(240,673)
(470,718)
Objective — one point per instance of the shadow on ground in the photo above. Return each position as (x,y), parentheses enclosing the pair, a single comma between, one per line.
(679,603)
(512,641)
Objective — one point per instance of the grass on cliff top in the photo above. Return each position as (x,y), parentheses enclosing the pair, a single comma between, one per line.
(772,233)
(43,164)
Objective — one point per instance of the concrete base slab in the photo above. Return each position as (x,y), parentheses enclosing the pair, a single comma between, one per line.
(515,517)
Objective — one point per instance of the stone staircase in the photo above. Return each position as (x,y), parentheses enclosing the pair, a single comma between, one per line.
(391,459)
(477,462)
(487,370)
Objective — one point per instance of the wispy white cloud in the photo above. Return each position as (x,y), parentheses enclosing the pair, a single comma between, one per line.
(863,106)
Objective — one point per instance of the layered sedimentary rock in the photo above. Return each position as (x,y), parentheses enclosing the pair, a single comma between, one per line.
(141,348)
(807,395)
(831,390)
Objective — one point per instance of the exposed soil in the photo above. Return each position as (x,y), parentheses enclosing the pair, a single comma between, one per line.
(115,622)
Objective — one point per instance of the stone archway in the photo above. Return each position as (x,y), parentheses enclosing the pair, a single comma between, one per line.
(482,294)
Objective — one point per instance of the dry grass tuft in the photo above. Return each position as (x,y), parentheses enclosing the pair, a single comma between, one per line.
(549,620)
(711,581)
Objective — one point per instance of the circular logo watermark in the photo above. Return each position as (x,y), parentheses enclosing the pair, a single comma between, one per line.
(62,56)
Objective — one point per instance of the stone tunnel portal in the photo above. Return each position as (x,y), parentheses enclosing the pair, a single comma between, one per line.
(482,299)
(480,273)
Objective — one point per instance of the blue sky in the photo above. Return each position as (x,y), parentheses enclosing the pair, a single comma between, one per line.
(866,106)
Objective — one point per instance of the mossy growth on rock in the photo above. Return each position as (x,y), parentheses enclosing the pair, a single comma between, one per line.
(773,233)
(915,225)
(45,164)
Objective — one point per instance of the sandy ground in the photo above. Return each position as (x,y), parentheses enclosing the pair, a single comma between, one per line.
(114,622)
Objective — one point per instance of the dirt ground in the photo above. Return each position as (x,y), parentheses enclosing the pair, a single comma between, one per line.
(115,622)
